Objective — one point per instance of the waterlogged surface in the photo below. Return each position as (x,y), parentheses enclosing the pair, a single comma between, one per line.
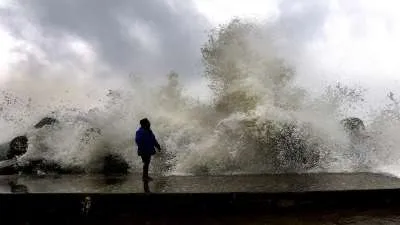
(197,184)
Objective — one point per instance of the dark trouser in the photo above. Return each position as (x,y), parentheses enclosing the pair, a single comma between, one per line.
(146,162)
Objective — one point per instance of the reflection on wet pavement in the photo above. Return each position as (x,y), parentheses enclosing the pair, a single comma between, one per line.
(200,184)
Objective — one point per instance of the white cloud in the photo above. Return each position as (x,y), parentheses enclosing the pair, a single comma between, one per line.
(6,57)
(142,32)
(355,41)
(360,40)
(4,3)
(221,11)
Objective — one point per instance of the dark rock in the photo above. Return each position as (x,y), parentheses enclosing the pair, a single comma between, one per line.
(113,180)
(18,146)
(112,163)
(9,170)
(45,121)
(115,164)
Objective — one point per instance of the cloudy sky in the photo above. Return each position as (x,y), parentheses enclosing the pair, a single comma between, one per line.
(332,40)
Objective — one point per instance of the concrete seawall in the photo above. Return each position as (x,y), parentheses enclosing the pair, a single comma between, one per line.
(362,191)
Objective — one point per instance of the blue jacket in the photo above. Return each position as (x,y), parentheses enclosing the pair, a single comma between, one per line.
(146,141)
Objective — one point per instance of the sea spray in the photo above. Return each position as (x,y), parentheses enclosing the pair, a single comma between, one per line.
(258,120)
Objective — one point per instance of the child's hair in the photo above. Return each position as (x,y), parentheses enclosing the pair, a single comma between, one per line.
(144,122)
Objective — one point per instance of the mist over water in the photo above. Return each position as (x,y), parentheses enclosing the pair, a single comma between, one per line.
(257,120)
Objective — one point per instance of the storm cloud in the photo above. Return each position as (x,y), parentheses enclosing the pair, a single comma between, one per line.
(144,37)
(334,39)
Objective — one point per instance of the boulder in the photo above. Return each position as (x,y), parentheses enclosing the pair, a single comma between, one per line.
(115,164)
(18,146)
(8,167)
(112,163)
(46,121)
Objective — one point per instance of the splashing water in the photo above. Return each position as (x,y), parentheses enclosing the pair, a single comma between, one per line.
(259,120)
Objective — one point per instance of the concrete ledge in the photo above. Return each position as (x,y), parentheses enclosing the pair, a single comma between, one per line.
(112,204)
(86,196)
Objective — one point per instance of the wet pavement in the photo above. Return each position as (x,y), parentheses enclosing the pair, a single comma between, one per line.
(198,184)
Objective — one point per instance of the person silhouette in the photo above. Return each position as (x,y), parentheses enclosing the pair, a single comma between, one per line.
(146,143)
